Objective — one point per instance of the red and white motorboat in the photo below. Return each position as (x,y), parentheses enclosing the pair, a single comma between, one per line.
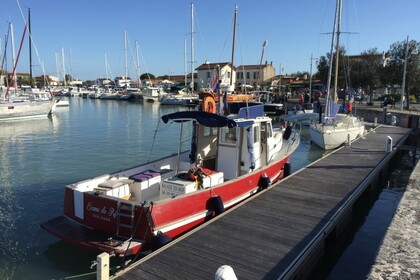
(144,207)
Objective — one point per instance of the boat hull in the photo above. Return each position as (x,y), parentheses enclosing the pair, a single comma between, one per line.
(98,223)
(332,136)
(25,110)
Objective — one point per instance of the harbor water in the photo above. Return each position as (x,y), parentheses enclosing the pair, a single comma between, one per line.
(88,138)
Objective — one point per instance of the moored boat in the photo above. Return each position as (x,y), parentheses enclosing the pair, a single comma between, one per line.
(335,129)
(133,210)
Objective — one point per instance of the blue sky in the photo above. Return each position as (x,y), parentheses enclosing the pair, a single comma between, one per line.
(89,29)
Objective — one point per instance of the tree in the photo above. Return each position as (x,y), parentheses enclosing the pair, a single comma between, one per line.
(366,69)
(68,78)
(323,66)
(392,74)
(147,76)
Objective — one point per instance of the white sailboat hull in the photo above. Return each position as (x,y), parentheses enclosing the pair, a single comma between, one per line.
(25,110)
(331,136)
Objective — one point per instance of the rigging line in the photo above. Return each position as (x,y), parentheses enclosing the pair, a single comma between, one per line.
(33,42)
(242,59)
(3,63)
(322,24)
(203,43)
(17,59)
(133,57)
(226,38)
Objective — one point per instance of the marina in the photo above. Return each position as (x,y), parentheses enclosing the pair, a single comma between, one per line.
(79,141)
(85,139)
(206,162)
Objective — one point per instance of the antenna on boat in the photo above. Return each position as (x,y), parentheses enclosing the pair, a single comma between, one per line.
(192,47)
(233,43)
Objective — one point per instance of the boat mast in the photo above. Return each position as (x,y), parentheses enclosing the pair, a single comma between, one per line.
(30,48)
(17,59)
(57,65)
(192,47)
(337,50)
(12,37)
(185,60)
(233,44)
(106,67)
(138,63)
(64,68)
(125,57)
(327,107)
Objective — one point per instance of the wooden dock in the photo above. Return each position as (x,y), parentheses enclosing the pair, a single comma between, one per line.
(279,233)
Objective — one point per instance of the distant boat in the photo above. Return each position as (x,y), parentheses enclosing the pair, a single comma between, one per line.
(109,96)
(35,106)
(26,106)
(141,208)
(152,94)
(180,99)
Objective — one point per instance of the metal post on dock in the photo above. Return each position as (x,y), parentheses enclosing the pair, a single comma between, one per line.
(102,267)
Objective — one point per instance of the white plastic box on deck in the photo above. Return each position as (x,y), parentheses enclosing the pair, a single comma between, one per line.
(117,188)
(146,184)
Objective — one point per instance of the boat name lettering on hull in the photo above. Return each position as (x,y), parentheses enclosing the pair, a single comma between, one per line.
(103,214)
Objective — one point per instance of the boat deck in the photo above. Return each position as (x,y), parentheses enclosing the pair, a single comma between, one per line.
(277,230)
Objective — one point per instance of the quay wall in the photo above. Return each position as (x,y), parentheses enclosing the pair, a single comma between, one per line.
(398,255)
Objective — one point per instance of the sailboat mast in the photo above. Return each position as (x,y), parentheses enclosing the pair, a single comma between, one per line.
(192,47)
(233,44)
(64,68)
(30,48)
(125,57)
(138,63)
(12,37)
(337,51)
(57,65)
(327,108)
(106,67)
(185,60)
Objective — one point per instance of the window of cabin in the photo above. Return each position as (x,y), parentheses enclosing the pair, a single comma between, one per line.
(228,135)
(207,131)
(256,134)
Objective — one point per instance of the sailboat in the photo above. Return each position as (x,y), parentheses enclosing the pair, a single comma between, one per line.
(333,130)
(14,107)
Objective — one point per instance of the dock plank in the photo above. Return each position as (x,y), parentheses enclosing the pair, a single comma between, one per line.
(265,236)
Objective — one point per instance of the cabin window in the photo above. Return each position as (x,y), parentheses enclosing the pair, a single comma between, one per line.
(269,130)
(256,134)
(208,74)
(228,135)
(209,131)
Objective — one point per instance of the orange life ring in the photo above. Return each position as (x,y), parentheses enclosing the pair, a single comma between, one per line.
(209,105)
